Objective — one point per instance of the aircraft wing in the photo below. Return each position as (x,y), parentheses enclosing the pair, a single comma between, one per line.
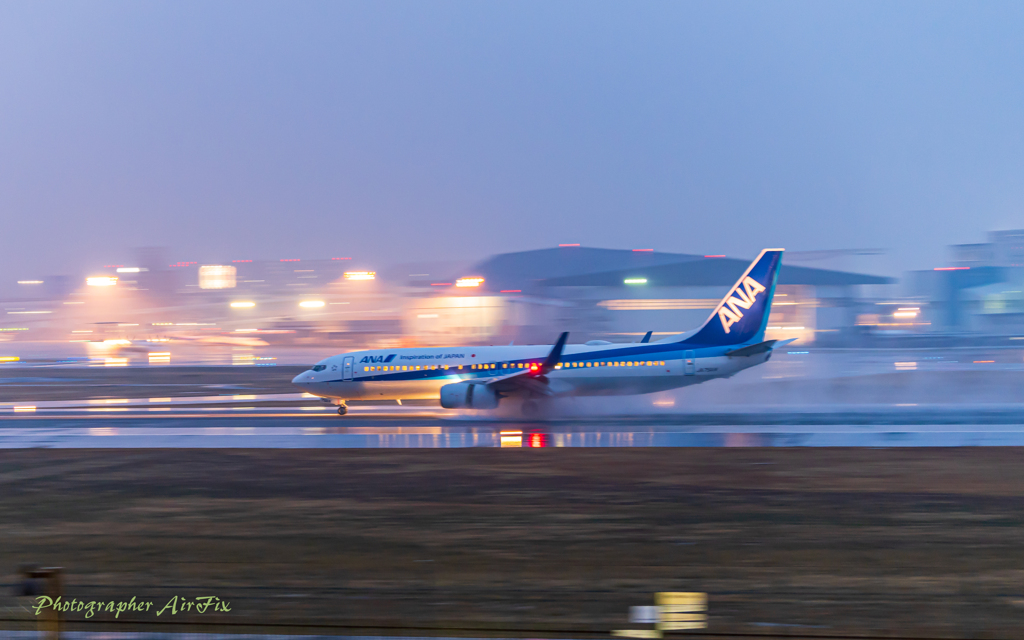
(533,379)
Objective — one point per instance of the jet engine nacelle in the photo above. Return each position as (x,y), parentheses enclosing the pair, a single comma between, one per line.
(462,395)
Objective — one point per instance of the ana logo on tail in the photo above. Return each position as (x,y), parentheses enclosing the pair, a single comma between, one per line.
(742,297)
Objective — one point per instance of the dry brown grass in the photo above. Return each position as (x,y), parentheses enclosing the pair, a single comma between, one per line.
(907,541)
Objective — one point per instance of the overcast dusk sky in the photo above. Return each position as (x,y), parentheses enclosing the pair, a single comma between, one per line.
(454,130)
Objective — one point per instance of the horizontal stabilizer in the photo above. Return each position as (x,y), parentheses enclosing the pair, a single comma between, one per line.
(760,347)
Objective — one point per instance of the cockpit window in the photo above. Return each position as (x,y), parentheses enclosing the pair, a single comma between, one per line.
(320,367)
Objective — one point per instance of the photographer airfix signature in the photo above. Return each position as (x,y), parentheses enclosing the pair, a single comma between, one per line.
(174,606)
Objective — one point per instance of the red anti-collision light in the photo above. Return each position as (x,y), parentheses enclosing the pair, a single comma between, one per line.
(533,367)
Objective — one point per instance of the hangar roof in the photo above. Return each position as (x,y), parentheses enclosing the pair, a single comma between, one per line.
(530,268)
(588,267)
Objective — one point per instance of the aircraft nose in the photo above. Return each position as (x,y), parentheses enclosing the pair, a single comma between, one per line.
(301,379)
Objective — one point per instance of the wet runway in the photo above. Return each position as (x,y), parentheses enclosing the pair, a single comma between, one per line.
(376,426)
(794,403)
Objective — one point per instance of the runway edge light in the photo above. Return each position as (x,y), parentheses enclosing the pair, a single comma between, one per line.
(681,610)
(673,611)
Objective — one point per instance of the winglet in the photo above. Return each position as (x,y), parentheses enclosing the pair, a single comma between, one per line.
(555,356)
(647,338)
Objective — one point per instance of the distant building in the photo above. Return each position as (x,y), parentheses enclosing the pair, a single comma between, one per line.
(1004,249)
(622,294)
(526,297)
(982,289)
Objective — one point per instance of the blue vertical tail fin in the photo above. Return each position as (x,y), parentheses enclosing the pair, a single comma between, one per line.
(742,315)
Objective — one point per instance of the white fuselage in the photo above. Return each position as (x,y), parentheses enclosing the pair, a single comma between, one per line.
(584,370)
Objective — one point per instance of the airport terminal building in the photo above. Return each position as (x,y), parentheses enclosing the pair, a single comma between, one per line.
(526,297)
(979,291)
(619,295)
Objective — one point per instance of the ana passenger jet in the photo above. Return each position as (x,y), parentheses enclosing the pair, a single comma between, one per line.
(730,340)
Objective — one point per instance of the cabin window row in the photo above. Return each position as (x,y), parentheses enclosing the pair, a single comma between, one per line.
(523,365)
(576,365)
(613,363)
(428,367)
(408,367)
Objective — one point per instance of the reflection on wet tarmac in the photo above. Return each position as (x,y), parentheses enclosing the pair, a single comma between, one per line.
(209,432)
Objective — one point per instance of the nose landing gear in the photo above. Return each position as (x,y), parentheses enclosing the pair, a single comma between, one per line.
(342,409)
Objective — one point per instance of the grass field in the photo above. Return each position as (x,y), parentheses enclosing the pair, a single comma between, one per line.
(920,542)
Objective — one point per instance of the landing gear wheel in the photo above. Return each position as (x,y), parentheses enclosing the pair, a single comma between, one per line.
(530,409)
(342,410)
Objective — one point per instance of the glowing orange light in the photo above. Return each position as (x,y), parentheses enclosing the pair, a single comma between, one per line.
(511,438)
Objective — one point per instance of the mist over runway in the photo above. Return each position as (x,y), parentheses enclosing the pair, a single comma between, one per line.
(823,398)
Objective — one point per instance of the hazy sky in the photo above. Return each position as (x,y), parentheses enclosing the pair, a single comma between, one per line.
(409,131)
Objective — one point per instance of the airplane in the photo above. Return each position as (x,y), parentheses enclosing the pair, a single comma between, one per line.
(472,377)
